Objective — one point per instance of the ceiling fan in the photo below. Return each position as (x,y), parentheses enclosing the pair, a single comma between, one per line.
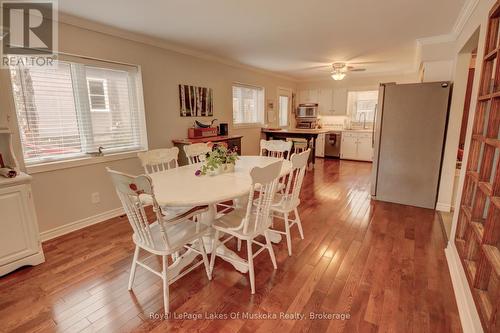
(340,69)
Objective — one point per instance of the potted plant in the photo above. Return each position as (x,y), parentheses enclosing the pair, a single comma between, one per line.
(219,160)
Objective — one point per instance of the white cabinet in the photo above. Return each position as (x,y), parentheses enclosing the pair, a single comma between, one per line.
(349,146)
(325,102)
(365,148)
(340,102)
(331,102)
(320,145)
(19,236)
(309,96)
(356,146)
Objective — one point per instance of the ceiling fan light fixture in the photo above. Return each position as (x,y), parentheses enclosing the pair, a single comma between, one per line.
(338,75)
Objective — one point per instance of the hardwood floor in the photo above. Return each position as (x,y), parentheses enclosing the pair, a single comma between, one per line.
(379,266)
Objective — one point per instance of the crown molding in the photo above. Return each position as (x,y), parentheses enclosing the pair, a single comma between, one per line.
(463,16)
(161,43)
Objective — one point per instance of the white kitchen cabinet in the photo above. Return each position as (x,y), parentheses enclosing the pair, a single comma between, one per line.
(339,101)
(356,146)
(309,96)
(325,102)
(365,148)
(19,237)
(349,146)
(320,145)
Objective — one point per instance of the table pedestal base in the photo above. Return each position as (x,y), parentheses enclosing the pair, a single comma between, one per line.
(189,256)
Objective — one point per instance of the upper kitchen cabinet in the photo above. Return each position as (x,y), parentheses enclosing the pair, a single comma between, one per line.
(309,96)
(340,101)
(325,102)
(331,102)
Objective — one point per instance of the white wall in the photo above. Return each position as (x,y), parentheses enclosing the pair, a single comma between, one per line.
(441,70)
(63,196)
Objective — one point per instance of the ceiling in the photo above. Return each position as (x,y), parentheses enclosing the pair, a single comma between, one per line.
(297,38)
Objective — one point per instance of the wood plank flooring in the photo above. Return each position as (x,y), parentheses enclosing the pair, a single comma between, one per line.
(376,267)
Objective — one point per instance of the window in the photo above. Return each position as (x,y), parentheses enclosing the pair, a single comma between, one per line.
(75,108)
(98,94)
(283,108)
(248,105)
(362,105)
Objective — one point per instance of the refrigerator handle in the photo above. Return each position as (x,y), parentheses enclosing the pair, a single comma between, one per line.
(374,125)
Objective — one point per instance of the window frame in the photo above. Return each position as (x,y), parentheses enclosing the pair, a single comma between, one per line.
(262,91)
(86,158)
(353,105)
(105,94)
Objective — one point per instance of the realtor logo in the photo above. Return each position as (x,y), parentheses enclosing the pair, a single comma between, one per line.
(29,33)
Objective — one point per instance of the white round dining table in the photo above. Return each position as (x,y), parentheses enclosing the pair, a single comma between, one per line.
(180,187)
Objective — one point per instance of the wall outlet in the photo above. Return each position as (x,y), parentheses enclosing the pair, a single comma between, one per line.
(95,198)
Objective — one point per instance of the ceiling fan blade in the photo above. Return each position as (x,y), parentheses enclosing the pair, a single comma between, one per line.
(356,69)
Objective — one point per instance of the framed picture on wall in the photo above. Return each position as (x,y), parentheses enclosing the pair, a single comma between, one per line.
(196,101)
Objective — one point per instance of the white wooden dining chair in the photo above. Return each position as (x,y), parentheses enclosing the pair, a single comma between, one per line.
(276,148)
(164,236)
(288,201)
(196,152)
(252,222)
(157,160)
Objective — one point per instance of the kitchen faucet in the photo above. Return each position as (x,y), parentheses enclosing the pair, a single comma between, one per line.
(364,119)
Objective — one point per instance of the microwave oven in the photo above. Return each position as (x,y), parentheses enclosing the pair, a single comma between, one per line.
(307,110)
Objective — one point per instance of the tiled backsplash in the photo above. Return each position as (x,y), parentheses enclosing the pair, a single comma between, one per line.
(336,122)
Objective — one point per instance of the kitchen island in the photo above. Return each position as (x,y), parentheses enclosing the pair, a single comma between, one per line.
(309,134)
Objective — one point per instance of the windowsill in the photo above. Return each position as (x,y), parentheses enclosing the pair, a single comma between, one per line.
(252,125)
(77,162)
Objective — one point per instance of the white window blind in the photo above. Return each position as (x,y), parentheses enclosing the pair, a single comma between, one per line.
(362,105)
(248,105)
(56,109)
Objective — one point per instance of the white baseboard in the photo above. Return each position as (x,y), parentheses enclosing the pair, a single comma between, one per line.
(443,207)
(67,228)
(469,317)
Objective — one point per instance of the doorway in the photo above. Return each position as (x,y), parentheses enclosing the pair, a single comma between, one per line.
(457,129)
(284,106)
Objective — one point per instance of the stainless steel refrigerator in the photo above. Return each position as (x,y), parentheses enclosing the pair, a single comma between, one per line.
(409,135)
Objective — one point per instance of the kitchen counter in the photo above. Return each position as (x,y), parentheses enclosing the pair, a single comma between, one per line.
(297,130)
(309,134)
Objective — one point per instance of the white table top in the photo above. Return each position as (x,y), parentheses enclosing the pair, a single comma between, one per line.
(180,186)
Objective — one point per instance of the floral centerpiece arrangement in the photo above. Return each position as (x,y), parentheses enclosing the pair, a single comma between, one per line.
(220,159)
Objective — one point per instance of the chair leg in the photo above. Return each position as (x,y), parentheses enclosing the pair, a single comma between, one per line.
(288,236)
(270,249)
(164,277)
(205,258)
(133,268)
(299,224)
(250,266)
(214,251)
(239,244)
